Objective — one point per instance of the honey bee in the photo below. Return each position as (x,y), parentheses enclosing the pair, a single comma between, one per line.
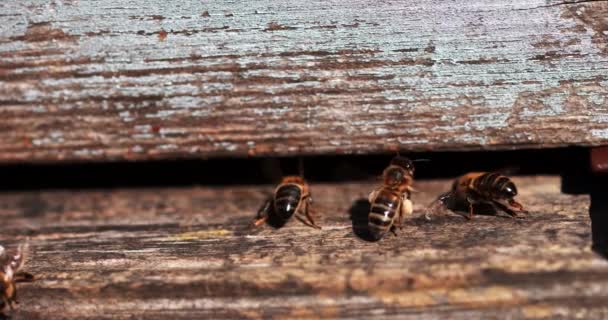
(10,274)
(291,196)
(391,200)
(483,188)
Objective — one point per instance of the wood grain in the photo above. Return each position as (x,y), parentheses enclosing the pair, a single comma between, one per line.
(101,80)
(184,253)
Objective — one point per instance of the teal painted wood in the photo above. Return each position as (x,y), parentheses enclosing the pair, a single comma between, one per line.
(99,80)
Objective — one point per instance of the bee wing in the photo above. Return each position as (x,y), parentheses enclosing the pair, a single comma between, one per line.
(7,269)
(4,261)
(437,207)
(19,259)
(509,170)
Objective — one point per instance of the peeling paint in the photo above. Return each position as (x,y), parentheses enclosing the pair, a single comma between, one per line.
(381,131)
(172,131)
(476,80)
(143,128)
(167,147)
(600,133)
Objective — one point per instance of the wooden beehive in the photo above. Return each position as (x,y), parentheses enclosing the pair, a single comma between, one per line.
(102,81)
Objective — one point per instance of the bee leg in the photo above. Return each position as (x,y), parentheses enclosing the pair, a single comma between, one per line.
(470,216)
(306,221)
(411,190)
(307,212)
(259,221)
(471,202)
(506,209)
(262,214)
(517,206)
(14,300)
(393,231)
(9,302)
(5,303)
(513,214)
(372,196)
(398,224)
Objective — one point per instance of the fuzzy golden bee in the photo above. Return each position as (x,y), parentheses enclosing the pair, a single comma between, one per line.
(10,275)
(390,203)
(483,188)
(291,197)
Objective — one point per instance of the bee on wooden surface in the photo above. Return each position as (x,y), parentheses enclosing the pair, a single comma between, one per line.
(10,274)
(390,203)
(291,197)
(483,188)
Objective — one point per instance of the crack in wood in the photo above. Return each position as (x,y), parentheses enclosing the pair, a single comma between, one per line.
(563,3)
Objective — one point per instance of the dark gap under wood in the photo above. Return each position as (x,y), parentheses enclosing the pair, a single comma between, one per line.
(326,169)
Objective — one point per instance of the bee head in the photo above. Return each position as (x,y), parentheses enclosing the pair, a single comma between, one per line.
(405,163)
(509,190)
(393,176)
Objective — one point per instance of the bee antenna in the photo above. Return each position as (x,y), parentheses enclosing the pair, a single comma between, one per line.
(421,160)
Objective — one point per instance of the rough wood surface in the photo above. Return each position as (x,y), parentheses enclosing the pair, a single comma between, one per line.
(155,79)
(183,253)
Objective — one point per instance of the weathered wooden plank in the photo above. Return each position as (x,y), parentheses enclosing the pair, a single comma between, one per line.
(184,253)
(104,80)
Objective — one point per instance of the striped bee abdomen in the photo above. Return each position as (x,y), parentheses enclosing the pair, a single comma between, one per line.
(484,184)
(286,200)
(493,184)
(382,212)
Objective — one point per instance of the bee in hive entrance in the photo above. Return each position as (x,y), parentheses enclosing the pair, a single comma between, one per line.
(10,274)
(477,191)
(291,197)
(391,200)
